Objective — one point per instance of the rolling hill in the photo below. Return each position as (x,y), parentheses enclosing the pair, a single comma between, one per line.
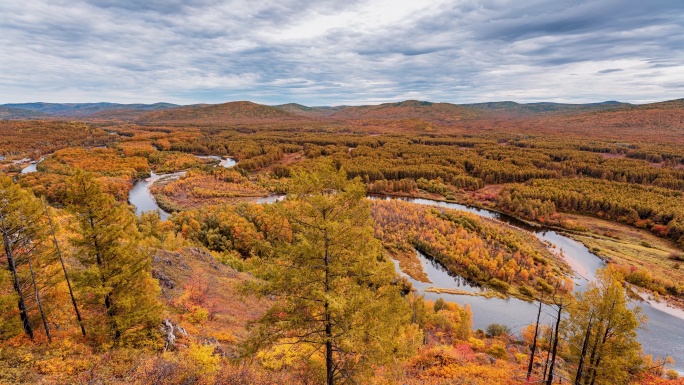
(84,109)
(242,111)
(514,108)
(9,113)
(443,113)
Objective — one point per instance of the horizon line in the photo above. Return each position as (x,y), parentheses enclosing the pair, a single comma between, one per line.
(339,105)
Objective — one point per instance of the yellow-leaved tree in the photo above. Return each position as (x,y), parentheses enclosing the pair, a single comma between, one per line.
(115,283)
(602,331)
(332,285)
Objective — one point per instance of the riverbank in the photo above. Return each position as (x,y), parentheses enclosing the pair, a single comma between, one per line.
(610,241)
(665,331)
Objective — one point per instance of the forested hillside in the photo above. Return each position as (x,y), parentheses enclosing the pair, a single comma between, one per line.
(305,290)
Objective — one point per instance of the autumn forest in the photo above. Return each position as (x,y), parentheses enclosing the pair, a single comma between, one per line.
(241,243)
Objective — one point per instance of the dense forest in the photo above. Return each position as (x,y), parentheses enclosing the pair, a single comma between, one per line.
(304,290)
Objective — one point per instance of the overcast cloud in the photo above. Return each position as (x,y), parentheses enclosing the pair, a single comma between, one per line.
(341,52)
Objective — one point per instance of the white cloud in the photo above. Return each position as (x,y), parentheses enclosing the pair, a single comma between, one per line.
(331,52)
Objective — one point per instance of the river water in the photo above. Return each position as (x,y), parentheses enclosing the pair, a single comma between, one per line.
(663,335)
(31,167)
(143,200)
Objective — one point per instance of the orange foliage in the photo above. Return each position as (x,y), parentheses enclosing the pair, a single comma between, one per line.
(478,249)
(103,161)
(198,188)
(36,138)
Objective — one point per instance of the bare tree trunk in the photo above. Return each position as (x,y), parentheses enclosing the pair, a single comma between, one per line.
(592,358)
(329,363)
(546,364)
(597,350)
(534,341)
(555,345)
(40,303)
(11,263)
(100,264)
(580,366)
(598,357)
(548,353)
(66,276)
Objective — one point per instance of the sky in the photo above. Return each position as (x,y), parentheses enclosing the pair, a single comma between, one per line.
(319,52)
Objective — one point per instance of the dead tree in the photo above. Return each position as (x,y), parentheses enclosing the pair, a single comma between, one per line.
(533,349)
(560,303)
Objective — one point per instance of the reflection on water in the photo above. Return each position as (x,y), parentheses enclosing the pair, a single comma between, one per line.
(143,200)
(223,162)
(663,335)
(512,312)
(227,162)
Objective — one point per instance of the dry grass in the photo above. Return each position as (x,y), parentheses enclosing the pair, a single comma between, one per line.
(410,264)
(628,245)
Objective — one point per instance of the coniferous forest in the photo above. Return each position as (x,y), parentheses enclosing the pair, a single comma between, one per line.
(292,248)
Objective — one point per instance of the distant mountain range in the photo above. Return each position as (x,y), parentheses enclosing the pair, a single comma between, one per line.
(249,112)
(216,113)
(37,110)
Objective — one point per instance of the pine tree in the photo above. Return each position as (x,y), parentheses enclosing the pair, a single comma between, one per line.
(332,283)
(116,283)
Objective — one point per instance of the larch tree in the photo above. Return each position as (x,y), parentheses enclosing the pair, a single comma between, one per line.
(60,256)
(115,284)
(24,240)
(602,331)
(332,285)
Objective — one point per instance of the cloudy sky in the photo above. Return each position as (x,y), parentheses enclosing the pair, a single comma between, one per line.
(320,52)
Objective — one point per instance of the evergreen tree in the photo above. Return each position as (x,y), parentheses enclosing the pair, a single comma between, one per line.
(332,284)
(116,283)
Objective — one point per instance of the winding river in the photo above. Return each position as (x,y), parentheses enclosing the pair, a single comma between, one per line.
(663,335)
(143,200)
(31,167)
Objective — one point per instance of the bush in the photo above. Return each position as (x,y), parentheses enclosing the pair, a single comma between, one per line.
(495,330)
(198,315)
(476,343)
(497,350)
(526,290)
(439,304)
(499,285)
(672,374)
(202,359)
(231,259)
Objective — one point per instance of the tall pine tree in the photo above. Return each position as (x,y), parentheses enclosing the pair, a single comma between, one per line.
(115,283)
(27,258)
(332,283)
